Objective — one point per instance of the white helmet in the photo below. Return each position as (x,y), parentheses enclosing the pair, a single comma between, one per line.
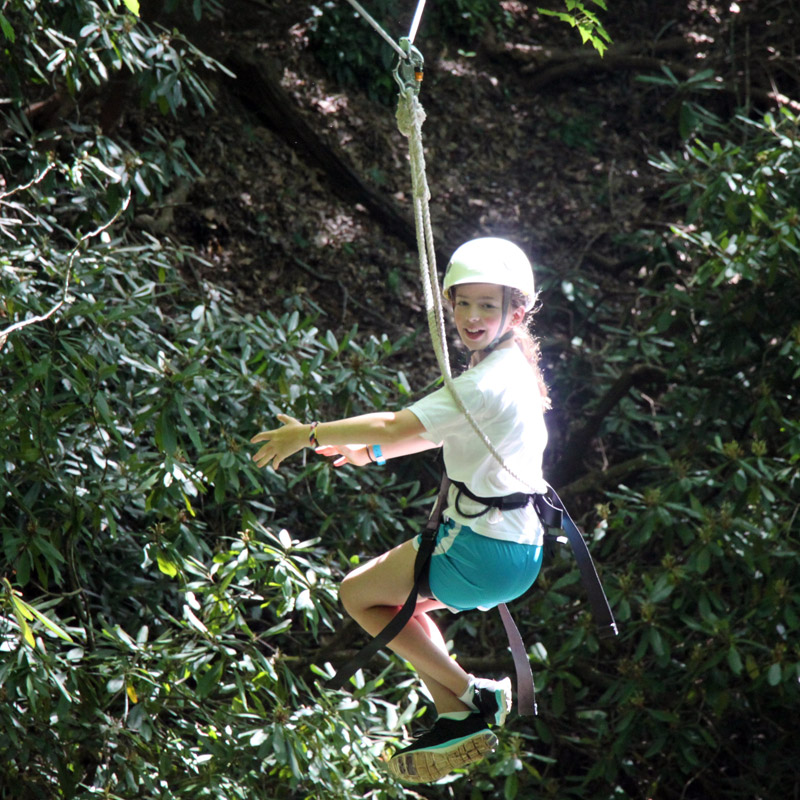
(491,260)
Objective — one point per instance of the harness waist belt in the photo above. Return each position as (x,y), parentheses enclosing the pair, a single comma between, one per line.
(507,502)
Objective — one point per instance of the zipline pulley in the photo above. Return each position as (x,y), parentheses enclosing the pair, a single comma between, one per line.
(410,66)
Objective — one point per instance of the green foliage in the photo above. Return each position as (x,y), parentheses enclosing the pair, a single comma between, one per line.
(352,51)
(156,616)
(80,45)
(691,115)
(698,542)
(581,16)
(129,498)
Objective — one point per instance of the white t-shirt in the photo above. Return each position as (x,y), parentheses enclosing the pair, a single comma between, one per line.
(503,396)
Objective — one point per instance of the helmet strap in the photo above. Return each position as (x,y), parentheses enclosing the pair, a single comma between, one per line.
(497,342)
(499,339)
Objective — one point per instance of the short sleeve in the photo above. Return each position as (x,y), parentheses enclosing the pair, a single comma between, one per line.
(438,412)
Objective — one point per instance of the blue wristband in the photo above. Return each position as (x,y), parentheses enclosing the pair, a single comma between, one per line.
(378,453)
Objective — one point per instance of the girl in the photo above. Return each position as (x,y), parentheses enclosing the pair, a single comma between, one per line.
(483,557)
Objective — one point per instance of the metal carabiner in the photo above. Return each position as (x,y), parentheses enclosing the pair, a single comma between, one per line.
(409,70)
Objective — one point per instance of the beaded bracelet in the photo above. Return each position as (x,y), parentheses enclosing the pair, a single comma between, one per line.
(312,436)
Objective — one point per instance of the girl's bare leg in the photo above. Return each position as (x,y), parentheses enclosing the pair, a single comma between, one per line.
(443,698)
(373,593)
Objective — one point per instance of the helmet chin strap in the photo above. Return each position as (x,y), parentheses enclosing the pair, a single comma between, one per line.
(509,334)
(499,339)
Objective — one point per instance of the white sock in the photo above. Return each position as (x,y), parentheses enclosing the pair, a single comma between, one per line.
(457,716)
(469,692)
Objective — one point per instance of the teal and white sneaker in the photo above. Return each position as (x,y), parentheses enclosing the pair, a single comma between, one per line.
(491,699)
(450,744)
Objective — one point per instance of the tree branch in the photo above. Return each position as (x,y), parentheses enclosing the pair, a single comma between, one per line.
(261,92)
(4,334)
(600,479)
(30,183)
(578,444)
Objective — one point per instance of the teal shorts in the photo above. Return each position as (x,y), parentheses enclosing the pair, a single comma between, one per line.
(469,570)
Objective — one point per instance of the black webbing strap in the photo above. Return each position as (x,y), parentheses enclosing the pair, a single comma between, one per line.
(508,502)
(552,513)
(526,694)
(399,621)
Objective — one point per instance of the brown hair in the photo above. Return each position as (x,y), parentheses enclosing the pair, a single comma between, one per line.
(525,340)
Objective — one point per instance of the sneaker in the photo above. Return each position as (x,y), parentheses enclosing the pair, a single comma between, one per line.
(492,699)
(448,745)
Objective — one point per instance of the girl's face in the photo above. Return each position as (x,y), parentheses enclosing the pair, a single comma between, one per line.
(478,312)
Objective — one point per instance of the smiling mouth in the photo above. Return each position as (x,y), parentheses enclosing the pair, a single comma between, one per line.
(474,334)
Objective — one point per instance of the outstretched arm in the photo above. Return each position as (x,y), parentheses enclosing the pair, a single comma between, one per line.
(400,433)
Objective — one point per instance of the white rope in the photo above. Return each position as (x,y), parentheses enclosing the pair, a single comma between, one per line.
(410,116)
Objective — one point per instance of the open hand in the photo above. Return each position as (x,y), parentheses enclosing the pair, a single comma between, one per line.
(281,442)
(345,454)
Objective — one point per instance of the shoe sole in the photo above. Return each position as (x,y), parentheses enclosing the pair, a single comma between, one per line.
(427,766)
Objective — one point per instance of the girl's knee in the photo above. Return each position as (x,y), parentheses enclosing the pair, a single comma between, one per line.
(383,581)
(348,593)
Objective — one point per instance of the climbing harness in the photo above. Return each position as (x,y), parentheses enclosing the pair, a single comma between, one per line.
(410,116)
(553,515)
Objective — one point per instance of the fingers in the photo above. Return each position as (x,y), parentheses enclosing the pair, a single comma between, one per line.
(265,436)
(264,462)
(329,451)
(264,456)
(282,442)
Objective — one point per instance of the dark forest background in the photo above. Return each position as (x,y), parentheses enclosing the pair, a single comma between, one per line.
(205,217)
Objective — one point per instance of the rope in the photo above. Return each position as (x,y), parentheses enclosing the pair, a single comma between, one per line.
(410,116)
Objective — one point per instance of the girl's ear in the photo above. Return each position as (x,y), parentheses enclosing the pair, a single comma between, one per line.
(517,315)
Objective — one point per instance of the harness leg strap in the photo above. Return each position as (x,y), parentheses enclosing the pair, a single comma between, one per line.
(400,620)
(397,623)
(601,610)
